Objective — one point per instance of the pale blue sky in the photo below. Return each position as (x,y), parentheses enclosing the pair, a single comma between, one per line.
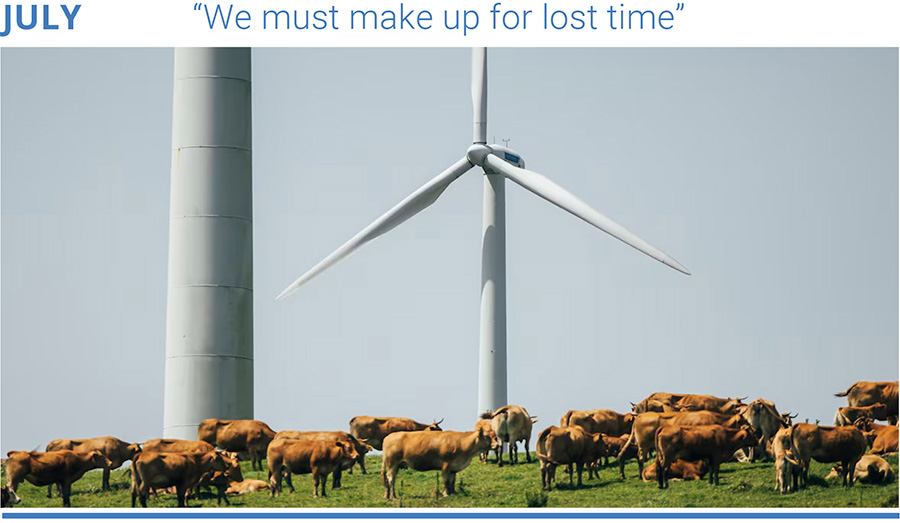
(771,173)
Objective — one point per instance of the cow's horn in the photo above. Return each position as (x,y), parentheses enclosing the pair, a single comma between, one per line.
(632,405)
(439,422)
(742,399)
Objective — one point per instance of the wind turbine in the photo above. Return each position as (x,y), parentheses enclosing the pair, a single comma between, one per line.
(498,163)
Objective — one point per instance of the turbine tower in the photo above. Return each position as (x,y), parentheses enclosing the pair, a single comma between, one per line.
(209,320)
(498,163)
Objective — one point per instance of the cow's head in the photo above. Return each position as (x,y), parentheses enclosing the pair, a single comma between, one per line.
(746,438)
(836,472)
(97,460)
(878,410)
(214,461)
(348,450)
(9,497)
(598,445)
(131,450)
(637,408)
(361,446)
(486,439)
(233,464)
(786,419)
(435,425)
(863,423)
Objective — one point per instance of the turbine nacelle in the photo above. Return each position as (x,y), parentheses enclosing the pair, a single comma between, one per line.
(477,155)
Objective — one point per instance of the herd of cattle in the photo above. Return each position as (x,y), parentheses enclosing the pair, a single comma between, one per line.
(689,434)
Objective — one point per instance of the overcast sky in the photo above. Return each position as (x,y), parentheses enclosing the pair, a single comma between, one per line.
(772,174)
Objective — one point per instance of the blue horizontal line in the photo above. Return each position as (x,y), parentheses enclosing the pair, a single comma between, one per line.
(451,515)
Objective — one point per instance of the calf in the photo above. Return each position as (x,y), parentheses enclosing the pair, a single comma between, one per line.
(827,445)
(449,452)
(623,448)
(113,449)
(182,470)
(691,443)
(512,424)
(319,457)
(221,480)
(680,470)
(567,446)
(61,467)
(238,488)
(787,467)
(484,424)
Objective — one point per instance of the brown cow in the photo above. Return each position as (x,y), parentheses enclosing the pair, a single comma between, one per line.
(658,400)
(114,449)
(319,457)
(882,438)
(449,452)
(643,431)
(511,424)
(238,435)
(599,421)
(238,488)
(714,443)
(334,435)
(60,467)
(849,415)
(567,446)
(827,445)
(373,430)
(182,470)
(649,405)
(863,393)
(697,402)
(177,445)
(680,470)
(870,469)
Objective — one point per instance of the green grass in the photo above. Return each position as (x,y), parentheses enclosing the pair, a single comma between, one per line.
(741,485)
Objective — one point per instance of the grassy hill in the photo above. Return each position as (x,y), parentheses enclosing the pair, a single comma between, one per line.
(487,486)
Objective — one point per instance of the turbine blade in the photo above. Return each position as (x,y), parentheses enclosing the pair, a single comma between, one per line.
(409,207)
(546,189)
(479,94)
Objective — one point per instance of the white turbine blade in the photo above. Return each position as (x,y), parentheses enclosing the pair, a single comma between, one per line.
(479,94)
(409,207)
(546,189)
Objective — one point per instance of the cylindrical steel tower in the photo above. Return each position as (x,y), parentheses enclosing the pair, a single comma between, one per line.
(209,321)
